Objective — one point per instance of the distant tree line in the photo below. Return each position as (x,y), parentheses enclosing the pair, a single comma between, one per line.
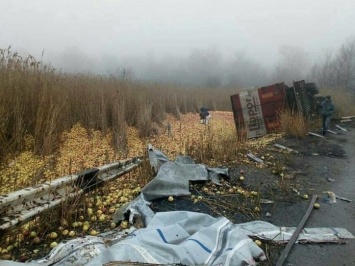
(337,69)
(208,68)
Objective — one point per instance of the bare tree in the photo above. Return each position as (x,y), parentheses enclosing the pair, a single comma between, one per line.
(347,58)
(324,72)
(293,64)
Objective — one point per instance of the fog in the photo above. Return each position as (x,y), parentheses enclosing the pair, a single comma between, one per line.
(197,42)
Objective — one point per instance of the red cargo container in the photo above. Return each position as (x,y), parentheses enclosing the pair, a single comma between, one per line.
(257,111)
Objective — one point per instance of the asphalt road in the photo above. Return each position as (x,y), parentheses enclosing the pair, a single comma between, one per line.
(340,214)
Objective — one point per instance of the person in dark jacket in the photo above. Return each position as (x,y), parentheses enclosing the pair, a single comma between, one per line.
(327,109)
(204,115)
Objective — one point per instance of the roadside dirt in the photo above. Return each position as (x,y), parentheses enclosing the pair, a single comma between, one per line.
(321,165)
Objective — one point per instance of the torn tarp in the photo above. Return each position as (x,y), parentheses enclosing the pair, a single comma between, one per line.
(172,179)
(180,237)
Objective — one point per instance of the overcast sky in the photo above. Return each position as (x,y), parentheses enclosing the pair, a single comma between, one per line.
(174,27)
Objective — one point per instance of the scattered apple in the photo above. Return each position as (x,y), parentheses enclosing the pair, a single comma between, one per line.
(124,224)
(36,240)
(305,196)
(171,199)
(241,178)
(93,232)
(85,227)
(53,244)
(53,235)
(257,209)
(4,251)
(65,232)
(75,224)
(102,218)
(63,222)
(258,242)
(113,225)
(33,234)
(71,233)
(316,205)
(89,211)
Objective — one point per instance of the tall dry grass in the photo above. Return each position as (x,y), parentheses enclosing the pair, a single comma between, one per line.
(38,101)
(293,123)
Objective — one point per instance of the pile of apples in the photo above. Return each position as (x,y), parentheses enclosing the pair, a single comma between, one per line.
(91,216)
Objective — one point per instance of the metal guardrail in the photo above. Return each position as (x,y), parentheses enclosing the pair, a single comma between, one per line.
(21,205)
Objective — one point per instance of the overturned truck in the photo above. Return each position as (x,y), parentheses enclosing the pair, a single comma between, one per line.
(257,112)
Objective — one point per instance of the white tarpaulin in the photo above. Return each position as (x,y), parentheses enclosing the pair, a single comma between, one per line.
(180,237)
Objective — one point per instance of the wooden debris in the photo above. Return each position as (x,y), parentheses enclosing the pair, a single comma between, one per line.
(331,131)
(341,128)
(346,121)
(266,201)
(316,135)
(295,234)
(254,158)
(285,148)
(348,117)
(344,199)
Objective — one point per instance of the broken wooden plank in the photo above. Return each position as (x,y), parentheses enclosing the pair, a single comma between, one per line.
(348,117)
(266,201)
(254,158)
(341,128)
(344,199)
(295,234)
(346,121)
(285,148)
(315,134)
(331,131)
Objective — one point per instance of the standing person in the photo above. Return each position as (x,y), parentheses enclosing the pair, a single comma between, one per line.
(327,109)
(204,115)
